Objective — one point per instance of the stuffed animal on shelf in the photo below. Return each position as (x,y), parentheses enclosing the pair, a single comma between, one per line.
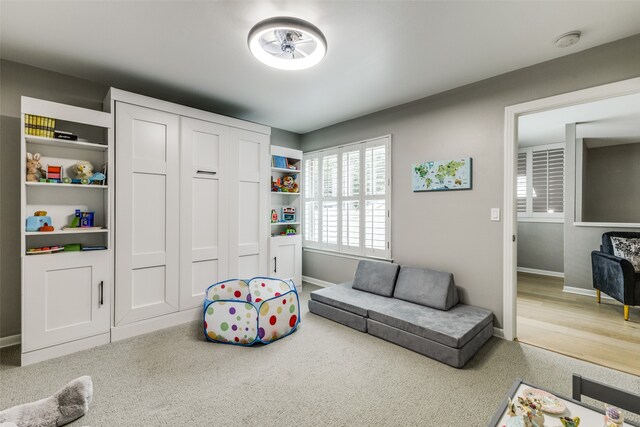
(34,168)
(289,185)
(83,169)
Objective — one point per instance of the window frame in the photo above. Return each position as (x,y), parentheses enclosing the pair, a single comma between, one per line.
(529,215)
(361,197)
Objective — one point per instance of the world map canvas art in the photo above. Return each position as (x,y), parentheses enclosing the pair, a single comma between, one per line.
(441,175)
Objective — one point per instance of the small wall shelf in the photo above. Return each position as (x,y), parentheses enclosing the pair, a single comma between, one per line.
(285,193)
(57,184)
(54,232)
(82,145)
(285,223)
(285,170)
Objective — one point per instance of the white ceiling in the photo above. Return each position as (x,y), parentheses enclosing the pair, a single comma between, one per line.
(381,53)
(617,117)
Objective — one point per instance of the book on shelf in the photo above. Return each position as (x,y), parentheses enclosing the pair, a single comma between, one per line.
(67,136)
(39,126)
(279,162)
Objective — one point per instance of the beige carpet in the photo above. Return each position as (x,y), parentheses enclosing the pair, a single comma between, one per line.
(325,374)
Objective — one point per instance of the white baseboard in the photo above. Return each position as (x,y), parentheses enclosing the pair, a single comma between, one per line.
(497,332)
(10,340)
(317,282)
(585,292)
(64,349)
(154,324)
(540,272)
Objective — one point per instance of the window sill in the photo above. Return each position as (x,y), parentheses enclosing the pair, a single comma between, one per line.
(344,255)
(607,224)
(541,219)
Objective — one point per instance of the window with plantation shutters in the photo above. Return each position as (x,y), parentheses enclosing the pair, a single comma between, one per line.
(540,187)
(349,212)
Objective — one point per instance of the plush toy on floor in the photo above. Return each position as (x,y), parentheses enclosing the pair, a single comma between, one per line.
(67,405)
(245,312)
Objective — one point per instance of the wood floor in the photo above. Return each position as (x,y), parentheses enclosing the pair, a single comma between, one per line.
(576,325)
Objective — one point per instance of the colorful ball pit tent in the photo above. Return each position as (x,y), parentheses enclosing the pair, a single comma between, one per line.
(245,312)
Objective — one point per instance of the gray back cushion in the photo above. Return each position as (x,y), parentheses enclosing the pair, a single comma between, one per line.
(434,289)
(377,277)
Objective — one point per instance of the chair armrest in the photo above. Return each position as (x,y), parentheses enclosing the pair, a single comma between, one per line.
(614,276)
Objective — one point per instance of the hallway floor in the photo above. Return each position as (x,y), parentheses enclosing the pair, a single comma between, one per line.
(575,325)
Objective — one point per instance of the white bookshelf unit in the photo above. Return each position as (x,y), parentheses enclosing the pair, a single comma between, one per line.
(285,250)
(66,295)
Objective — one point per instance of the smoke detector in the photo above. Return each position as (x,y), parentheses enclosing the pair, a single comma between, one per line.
(287,43)
(568,39)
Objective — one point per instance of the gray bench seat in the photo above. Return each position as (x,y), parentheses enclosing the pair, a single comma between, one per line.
(346,298)
(453,328)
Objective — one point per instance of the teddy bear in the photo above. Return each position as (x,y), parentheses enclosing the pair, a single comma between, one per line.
(34,168)
(289,185)
(83,169)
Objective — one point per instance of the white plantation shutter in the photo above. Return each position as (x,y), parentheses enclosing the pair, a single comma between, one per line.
(540,187)
(521,187)
(311,211)
(375,223)
(329,214)
(350,211)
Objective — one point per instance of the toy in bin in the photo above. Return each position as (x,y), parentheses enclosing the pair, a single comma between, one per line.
(39,222)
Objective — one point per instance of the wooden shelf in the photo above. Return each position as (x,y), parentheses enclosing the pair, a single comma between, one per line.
(285,223)
(56,184)
(58,232)
(284,170)
(285,193)
(53,142)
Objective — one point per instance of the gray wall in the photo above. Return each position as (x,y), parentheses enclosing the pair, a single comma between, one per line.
(541,246)
(605,197)
(283,138)
(17,80)
(579,241)
(451,230)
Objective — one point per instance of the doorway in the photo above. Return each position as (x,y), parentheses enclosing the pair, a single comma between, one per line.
(545,288)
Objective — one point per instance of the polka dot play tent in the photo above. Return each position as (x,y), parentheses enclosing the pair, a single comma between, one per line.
(245,312)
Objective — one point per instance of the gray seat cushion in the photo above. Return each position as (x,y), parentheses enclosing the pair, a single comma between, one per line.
(426,287)
(377,277)
(346,298)
(453,328)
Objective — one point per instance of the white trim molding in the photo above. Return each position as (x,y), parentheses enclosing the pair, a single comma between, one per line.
(10,340)
(511,114)
(317,282)
(585,292)
(540,272)
(497,332)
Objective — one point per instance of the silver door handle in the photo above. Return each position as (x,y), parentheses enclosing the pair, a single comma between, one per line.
(206,172)
(275,264)
(101,292)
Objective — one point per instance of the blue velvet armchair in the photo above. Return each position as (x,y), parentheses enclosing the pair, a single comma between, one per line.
(615,276)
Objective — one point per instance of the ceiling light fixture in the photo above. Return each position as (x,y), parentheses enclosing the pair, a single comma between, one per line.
(287,43)
(568,39)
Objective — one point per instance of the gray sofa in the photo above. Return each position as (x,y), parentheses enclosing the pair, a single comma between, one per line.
(413,307)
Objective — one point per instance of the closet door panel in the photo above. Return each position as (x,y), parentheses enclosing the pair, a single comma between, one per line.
(204,207)
(147,213)
(249,227)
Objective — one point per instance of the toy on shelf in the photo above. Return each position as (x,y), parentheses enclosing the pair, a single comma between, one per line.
(289,185)
(289,231)
(276,185)
(274,216)
(83,170)
(82,220)
(45,250)
(54,173)
(39,222)
(34,168)
(288,214)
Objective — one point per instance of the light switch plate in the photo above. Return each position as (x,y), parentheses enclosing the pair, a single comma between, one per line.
(495,214)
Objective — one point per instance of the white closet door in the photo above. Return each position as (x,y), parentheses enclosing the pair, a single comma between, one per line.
(147,213)
(249,203)
(204,208)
